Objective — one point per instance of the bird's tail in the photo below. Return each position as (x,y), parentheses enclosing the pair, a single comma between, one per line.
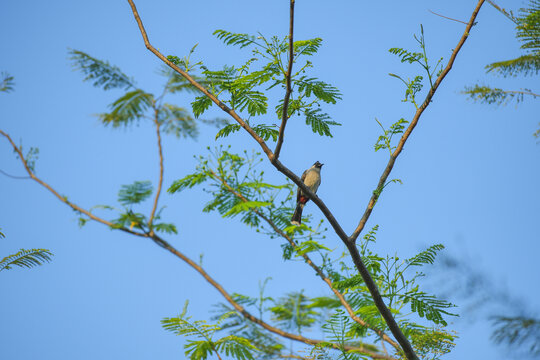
(297,216)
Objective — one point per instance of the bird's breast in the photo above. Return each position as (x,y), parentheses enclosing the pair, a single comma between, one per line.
(313,180)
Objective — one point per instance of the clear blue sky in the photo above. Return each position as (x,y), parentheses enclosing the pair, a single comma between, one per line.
(470,171)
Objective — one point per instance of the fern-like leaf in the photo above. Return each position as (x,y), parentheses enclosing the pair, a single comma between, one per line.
(128,108)
(524,65)
(254,101)
(135,193)
(188,181)
(425,257)
(236,347)
(267,132)
(200,105)
(245,206)
(26,259)
(176,120)
(102,73)
(322,90)
(7,82)
(319,121)
(227,130)
(307,47)
(166,228)
(229,38)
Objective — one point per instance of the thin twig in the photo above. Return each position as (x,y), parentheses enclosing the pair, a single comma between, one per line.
(164,244)
(504,12)
(285,114)
(351,243)
(310,262)
(13,176)
(412,125)
(64,198)
(198,86)
(446,17)
(160,184)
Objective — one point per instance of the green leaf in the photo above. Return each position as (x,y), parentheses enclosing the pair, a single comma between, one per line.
(100,72)
(26,259)
(267,132)
(498,96)
(425,257)
(245,206)
(321,90)
(254,101)
(406,56)
(319,122)
(230,38)
(165,228)
(227,130)
(7,82)
(200,105)
(135,193)
(307,47)
(309,246)
(236,347)
(524,65)
(177,121)
(427,306)
(325,302)
(178,83)
(129,220)
(293,312)
(187,182)
(128,108)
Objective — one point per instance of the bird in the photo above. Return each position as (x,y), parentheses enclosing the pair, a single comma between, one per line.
(312,179)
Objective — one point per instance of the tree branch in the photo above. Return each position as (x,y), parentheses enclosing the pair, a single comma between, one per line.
(164,244)
(64,198)
(277,164)
(198,86)
(350,242)
(160,184)
(285,114)
(308,260)
(412,125)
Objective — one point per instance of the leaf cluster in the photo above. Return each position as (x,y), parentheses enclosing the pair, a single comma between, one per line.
(238,189)
(528,64)
(519,332)
(244,88)
(201,342)
(135,103)
(414,86)
(400,286)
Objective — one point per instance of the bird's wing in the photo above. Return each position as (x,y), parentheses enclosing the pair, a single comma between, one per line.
(303,178)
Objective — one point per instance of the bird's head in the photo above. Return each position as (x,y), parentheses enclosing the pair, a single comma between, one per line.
(318,165)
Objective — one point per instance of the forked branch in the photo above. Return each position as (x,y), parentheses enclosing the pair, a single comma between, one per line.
(164,244)
(64,199)
(412,125)
(350,242)
(310,262)
(288,90)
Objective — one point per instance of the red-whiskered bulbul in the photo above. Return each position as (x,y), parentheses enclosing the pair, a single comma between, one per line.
(312,178)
